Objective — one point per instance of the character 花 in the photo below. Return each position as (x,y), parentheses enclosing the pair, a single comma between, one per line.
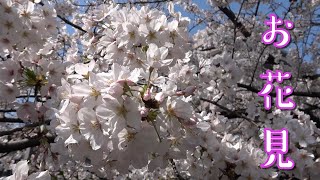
(279,76)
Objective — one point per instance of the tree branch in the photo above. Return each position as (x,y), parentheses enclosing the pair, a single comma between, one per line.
(7,110)
(176,172)
(67,21)
(297,93)
(230,111)
(311,77)
(10,132)
(71,24)
(24,143)
(257,8)
(146,2)
(11,120)
(233,18)
(312,116)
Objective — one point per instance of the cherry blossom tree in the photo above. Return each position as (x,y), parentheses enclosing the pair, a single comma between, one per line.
(153,89)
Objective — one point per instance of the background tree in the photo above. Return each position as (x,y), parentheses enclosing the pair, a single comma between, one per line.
(152,89)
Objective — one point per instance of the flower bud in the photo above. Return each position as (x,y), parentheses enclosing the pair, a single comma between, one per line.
(144,111)
(147,95)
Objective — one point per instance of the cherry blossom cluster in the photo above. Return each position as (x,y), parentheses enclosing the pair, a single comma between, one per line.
(20,171)
(132,105)
(25,25)
(26,32)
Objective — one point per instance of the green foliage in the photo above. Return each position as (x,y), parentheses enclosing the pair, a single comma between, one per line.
(33,79)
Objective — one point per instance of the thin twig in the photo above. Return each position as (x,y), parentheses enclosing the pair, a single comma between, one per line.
(67,21)
(155,128)
(146,2)
(256,67)
(256,12)
(229,110)
(230,14)
(302,94)
(71,24)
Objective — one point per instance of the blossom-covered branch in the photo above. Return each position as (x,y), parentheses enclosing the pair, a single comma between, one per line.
(71,24)
(295,93)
